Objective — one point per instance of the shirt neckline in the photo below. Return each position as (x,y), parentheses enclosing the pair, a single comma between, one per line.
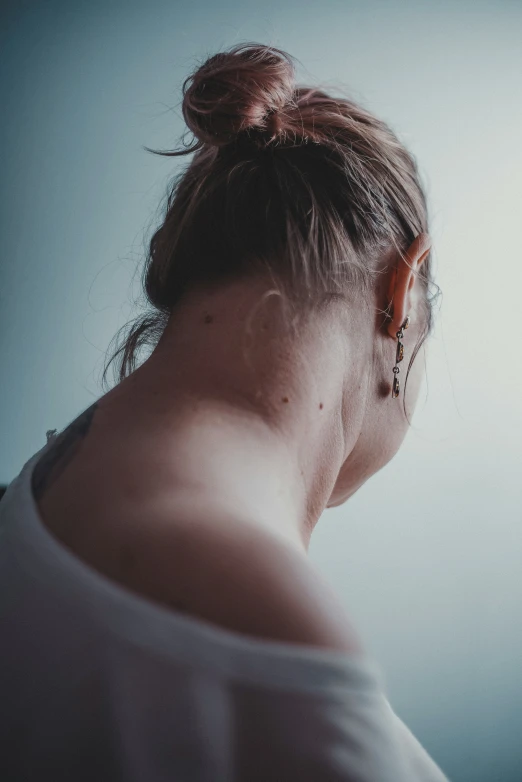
(137,619)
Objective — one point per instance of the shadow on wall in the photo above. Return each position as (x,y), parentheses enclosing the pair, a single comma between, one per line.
(2,491)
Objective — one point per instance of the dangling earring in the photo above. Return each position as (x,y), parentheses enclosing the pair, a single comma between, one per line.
(400,355)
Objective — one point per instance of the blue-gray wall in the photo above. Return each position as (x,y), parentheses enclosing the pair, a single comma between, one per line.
(427,555)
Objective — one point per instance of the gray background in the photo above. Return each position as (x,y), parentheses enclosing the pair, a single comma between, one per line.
(426,556)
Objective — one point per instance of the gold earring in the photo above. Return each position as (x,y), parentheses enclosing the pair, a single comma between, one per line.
(399,356)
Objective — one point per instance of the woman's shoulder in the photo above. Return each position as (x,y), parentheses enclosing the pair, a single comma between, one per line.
(239,577)
(195,558)
(205,564)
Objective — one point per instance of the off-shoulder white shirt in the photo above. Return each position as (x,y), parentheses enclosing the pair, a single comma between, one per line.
(100,684)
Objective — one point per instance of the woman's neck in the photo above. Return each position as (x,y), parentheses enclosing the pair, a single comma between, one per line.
(257,427)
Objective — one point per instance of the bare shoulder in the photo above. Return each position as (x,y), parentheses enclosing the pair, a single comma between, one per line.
(245,580)
(225,571)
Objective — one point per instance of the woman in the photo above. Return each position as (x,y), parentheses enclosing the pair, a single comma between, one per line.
(160,617)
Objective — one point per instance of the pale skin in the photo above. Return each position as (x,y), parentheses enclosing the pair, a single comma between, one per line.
(198,480)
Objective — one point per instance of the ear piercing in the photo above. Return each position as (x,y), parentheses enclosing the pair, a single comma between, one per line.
(399,356)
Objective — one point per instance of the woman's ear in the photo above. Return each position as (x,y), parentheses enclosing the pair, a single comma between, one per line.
(402,281)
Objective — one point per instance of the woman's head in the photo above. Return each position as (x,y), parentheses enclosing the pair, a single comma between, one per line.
(290,184)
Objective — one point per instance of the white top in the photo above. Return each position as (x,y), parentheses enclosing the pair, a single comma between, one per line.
(100,684)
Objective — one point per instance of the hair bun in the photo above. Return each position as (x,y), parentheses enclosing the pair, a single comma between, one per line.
(238,90)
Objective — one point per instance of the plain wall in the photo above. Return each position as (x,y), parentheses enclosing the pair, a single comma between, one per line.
(426,556)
